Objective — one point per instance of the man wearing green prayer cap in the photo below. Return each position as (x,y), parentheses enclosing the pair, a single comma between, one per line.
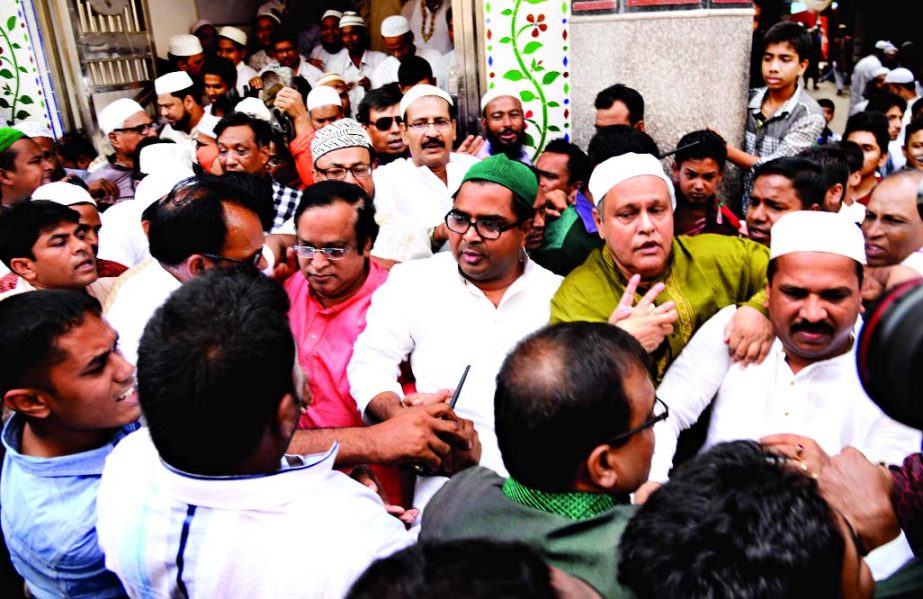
(466,307)
(23,167)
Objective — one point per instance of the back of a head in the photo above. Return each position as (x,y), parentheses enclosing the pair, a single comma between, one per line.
(22,224)
(875,123)
(885,101)
(564,382)
(735,522)
(630,97)
(379,98)
(791,33)
(702,144)
(222,67)
(30,324)
(413,70)
(807,178)
(213,365)
(578,163)
(831,159)
(472,569)
(853,154)
(616,140)
(74,146)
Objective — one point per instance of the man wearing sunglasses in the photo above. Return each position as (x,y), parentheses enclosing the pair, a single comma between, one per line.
(380,114)
(576,439)
(125,123)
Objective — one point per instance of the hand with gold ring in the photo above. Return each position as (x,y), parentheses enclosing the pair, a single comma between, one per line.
(804,453)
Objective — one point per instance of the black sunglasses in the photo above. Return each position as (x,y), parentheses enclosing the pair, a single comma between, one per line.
(384,123)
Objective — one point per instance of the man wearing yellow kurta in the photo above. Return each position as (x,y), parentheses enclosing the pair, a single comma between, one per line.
(690,277)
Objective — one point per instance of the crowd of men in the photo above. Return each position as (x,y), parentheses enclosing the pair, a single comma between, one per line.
(292,337)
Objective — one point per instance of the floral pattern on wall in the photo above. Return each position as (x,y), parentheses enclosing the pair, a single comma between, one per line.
(26,92)
(527,51)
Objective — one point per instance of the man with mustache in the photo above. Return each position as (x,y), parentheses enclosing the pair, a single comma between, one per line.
(504,125)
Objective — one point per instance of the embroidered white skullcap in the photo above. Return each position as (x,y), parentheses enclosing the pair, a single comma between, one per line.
(207,125)
(114,115)
(33,129)
(328,78)
(323,95)
(421,91)
(497,92)
(66,194)
(255,108)
(816,231)
(879,71)
(172,82)
(344,133)
(185,44)
(899,75)
(163,157)
(234,34)
(613,171)
(332,13)
(200,24)
(351,19)
(394,26)
(882,44)
(152,188)
(272,9)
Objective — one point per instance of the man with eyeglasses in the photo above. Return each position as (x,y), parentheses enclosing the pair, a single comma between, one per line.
(203,223)
(468,306)
(413,194)
(574,410)
(380,114)
(808,385)
(125,123)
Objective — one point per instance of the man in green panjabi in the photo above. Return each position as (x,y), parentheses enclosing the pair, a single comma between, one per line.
(658,287)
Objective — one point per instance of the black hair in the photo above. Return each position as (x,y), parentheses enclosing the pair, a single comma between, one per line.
(791,33)
(702,144)
(826,103)
(616,140)
(283,34)
(448,14)
(21,226)
(912,127)
(262,131)
(213,364)
(191,218)
(885,101)
(223,68)
(196,90)
(831,159)
(853,154)
(30,325)
(578,163)
(564,382)
(772,267)
(74,146)
(628,96)
(325,193)
(414,69)
(806,177)
(875,123)
(915,109)
(738,522)
(378,99)
(470,569)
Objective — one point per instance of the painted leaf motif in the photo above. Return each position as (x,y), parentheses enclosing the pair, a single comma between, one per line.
(11,23)
(506,12)
(529,140)
(514,75)
(4,103)
(550,76)
(553,104)
(527,96)
(15,46)
(23,70)
(554,128)
(536,1)
(506,40)
(531,47)
(26,100)
(6,73)
(22,115)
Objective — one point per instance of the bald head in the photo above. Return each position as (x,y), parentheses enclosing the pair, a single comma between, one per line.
(892,227)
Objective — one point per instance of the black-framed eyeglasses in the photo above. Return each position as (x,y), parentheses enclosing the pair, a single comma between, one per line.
(385,122)
(309,252)
(253,260)
(338,173)
(139,129)
(487,228)
(661,412)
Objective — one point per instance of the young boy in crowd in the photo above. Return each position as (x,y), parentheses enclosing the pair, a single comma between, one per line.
(869,130)
(913,145)
(829,108)
(697,171)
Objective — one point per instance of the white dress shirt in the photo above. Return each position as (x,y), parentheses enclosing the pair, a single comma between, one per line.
(343,65)
(426,310)
(409,200)
(303,531)
(244,74)
(122,238)
(319,53)
(306,70)
(386,72)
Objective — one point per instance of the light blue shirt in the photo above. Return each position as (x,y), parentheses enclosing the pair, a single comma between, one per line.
(48,514)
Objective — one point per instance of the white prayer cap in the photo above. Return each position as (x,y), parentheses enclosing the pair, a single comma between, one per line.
(164,157)
(879,71)
(152,188)
(394,26)
(332,13)
(323,95)
(421,91)
(613,171)
(816,231)
(185,44)
(234,34)
(255,108)
(207,125)
(33,129)
(66,194)
(497,92)
(883,44)
(328,78)
(172,82)
(114,115)
(344,133)
(351,19)
(200,24)
(899,75)
(273,10)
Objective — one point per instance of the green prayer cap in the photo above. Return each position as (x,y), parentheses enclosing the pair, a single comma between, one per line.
(511,174)
(9,136)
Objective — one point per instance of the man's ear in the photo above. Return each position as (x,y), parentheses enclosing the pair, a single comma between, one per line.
(5,177)
(113,140)
(188,103)
(600,470)
(196,264)
(640,125)
(884,159)
(23,267)
(30,402)
(264,153)
(597,218)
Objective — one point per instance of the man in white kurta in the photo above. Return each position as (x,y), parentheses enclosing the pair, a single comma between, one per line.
(357,63)
(399,40)
(413,195)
